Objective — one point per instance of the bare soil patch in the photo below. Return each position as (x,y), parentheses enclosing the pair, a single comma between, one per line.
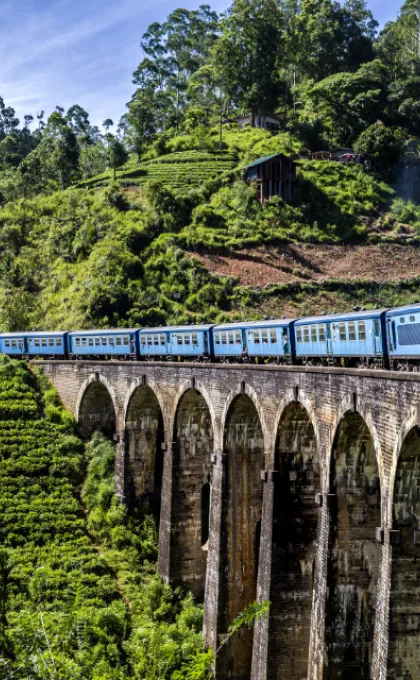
(258,267)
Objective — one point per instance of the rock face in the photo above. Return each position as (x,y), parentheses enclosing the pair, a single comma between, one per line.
(298,486)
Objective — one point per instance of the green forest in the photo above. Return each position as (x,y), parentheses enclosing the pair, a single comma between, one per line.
(106,226)
(116,226)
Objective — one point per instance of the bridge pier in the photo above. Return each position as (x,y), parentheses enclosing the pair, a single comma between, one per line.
(367,490)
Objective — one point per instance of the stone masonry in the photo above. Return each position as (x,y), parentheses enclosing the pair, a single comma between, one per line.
(296,485)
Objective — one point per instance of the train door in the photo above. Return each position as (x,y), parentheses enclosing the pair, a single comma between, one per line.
(329,340)
(377,344)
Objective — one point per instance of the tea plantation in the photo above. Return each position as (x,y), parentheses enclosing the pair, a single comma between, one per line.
(179,170)
(79,593)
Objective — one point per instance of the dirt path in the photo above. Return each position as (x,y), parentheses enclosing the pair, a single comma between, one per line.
(259,267)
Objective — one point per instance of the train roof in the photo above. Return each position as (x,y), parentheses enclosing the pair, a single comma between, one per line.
(175,329)
(395,311)
(343,316)
(267,323)
(30,334)
(104,331)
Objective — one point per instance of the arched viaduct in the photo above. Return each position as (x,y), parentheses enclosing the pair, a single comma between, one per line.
(296,485)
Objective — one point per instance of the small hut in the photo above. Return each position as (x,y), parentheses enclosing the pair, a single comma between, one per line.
(273,176)
(265,121)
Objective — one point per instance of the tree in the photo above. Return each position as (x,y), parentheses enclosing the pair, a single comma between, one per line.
(247,55)
(399,42)
(141,119)
(382,146)
(108,123)
(78,120)
(324,37)
(173,51)
(346,102)
(117,154)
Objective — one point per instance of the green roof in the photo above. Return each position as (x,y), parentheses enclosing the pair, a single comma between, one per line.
(263,159)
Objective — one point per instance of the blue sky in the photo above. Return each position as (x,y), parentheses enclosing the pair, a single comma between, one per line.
(64,52)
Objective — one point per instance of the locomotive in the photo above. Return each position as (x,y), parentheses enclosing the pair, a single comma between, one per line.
(378,338)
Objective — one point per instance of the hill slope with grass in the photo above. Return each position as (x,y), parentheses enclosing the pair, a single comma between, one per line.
(158,252)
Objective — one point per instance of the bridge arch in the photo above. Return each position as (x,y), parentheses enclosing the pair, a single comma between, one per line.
(144,436)
(404,610)
(96,407)
(249,391)
(353,552)
(197,386)
(193,444)
(240,523)
(355,403)
(297,479)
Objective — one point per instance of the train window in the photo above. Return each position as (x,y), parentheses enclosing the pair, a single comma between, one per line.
(156,339)
(361,327)
(238,336)
(299,334)
(118,340)
(179,338)
(90,342)
(84,342)
(321,332)
(231,337)
(7,343)
(194,338)
(412,318)
(77,342)
(306,334)
(14,343)
(250,336)
(126,340)
(162,339)
(36,341)
(402,320)
(217,338)
(256,337)
(44,342)
(264,336)
(224,338)
(273,336)
(187,339)
(58,342)
(20,343)
(352,330)
(104,340)
(342,331)
(51,342)
(97,342)
(314,336)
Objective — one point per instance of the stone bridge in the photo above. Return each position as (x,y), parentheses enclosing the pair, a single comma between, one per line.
(298,486)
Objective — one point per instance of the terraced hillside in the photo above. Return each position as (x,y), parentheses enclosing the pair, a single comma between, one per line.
(182,170)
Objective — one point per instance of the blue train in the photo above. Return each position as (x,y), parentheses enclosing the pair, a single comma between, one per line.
(379,338)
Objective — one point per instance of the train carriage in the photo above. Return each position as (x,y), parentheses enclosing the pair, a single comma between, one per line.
(403,335)
(352,339)
(194,342)
(265,340)
(47,344)
(120,343)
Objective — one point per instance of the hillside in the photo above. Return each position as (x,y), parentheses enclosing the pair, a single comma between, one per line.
(161,252)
